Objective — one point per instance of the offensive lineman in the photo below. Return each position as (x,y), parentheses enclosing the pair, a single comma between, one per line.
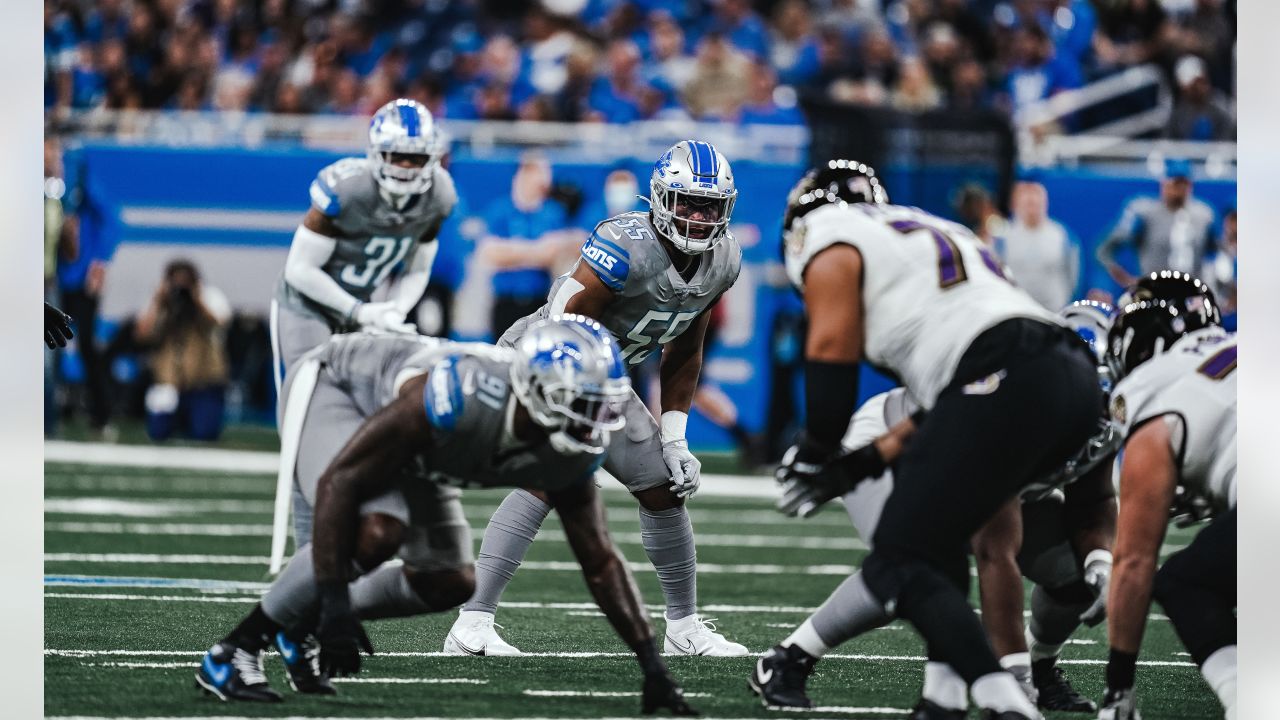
(1176,406)
(413,413)
(367,216)
(650,279)
(1068,516)
(1010,394)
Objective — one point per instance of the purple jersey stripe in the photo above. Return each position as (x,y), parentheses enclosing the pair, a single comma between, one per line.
(1221,364)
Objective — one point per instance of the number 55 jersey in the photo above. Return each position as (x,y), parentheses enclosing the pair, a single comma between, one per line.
(929,287)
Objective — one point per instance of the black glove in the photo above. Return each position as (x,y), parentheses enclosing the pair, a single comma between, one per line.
(340,633)
(57,327)
(812,475)
(662,691)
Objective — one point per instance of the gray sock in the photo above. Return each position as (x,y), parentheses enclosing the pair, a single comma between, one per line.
(848,612)
(386,593)
(667,536)
(507,538)
(293,597)
(1052,622)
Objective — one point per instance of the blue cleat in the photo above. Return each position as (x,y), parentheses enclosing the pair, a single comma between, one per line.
(232,673)
(302,660)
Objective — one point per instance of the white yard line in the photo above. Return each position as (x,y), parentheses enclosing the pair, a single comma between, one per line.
(595,694)
(152,507)
(411,681)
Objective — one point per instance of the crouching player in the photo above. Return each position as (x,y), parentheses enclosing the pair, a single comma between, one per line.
(385,420)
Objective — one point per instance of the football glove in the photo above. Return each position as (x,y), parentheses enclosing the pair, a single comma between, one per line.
(685,469)
(340,634)
(661,691)
(1119,705)
(384,316)
(811,476)
(57,327)
(1097,575)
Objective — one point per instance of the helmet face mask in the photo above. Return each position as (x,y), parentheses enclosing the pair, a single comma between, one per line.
(691,196)
(405,147)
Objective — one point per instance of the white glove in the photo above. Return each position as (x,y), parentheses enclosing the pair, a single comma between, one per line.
(385,316)
(685,469)
(1119,705)
(1097,575)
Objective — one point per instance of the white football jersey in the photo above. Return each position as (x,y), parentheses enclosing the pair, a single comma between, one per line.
(930,287)
(1194,381)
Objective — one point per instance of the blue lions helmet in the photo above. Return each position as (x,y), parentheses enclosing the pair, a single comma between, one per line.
(404,130)
(1090,320)
(691,196)
(569,375)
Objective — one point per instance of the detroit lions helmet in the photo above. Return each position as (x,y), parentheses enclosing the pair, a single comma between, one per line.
(569,375)
(691,196)
(404,129)
(1090,320)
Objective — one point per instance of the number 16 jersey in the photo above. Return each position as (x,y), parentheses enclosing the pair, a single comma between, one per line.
(929,287)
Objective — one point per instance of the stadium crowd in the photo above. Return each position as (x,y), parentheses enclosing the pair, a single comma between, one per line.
(624,60)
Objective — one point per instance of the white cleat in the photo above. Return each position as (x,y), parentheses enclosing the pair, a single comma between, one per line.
(696,635)
(473,634)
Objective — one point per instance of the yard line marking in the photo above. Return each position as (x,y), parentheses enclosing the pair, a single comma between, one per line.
(844,709)
(157,598)
(155,508)
(147,665)
(314,717)
(176,529)
(596,693)
(196,484)
(411,681)
(153,582)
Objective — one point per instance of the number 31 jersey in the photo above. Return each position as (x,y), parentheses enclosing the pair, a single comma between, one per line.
(653,303)
(374,236)
(929,287)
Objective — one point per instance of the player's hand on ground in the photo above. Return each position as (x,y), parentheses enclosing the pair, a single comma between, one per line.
(806,478)
(1119,705)
(685,469)
(341,635)
(57,327)
(1097,575)
(661,691)
(383,316)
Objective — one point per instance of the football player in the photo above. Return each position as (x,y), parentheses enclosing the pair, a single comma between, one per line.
(1009,395)
(650,278)
(1175,403)
(367,216)
(385,420)
(1067,516)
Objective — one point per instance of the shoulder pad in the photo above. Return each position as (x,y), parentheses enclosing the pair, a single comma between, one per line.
(442,396)
(605,255)
(324,189)
(446,193)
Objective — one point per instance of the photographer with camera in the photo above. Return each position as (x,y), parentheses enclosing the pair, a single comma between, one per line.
(183,325)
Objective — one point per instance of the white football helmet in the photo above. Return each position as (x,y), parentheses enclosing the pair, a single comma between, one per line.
(692,180)
(404,128)
(1091,320)
(569,375)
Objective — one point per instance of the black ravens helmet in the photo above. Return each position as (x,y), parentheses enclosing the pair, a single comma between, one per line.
(1175,286)
(847,181)
(1147,328)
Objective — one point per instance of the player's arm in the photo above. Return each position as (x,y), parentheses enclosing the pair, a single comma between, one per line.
(614,588)
(583,293)
(1148,478)
(313,245)
(1090,511)
(678,377)
(1124,233)
(417,271)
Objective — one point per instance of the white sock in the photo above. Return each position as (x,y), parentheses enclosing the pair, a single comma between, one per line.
(999,691)
(807,639)
(1219,670)
(942,686)
(1012,660)
(1042,650)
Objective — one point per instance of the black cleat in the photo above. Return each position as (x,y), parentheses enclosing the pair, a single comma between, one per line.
(233,673)
(779,677)
(988,714)
(929,710)
(302,660)
(1055,689)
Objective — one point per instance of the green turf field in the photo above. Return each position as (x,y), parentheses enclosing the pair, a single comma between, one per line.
(146,568)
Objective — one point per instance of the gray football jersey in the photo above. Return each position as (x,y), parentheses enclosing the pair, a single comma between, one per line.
(654,305)
(374,236)
(467,400)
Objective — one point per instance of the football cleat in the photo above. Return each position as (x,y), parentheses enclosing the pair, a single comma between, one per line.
(302,660)
(1056,692)
(232,673)
(473,634)
(1119,705)
(989,714)
(780,675)
(930,710)
(696,635)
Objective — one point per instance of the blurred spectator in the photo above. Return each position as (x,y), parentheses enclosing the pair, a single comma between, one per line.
(1171,232)
(668,60)
(1201,112)
(719,84)
(969,90)
(1220,270)
(853,16)
(184,325)
(1133,32)
(915,90)
(519,228)
(793,48)
(977,210)
(621,193)
(621,95)
(1038,72)
(741,27)
(762,106)
(1038,250)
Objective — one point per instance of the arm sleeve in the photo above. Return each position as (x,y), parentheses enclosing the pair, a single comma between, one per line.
(1122,234)
(304,271)
(418,272)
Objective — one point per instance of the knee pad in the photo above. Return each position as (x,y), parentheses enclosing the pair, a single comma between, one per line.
(378,539)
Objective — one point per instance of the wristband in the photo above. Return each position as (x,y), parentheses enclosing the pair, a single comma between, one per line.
(674,423)
(1098,555)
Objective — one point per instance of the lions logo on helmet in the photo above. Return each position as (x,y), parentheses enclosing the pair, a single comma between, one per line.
(570,376)
(405,147)
(691,196)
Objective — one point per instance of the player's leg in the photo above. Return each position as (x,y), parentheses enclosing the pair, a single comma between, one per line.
(1197,589)
(1059,597)
(995,550)
(635,459)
